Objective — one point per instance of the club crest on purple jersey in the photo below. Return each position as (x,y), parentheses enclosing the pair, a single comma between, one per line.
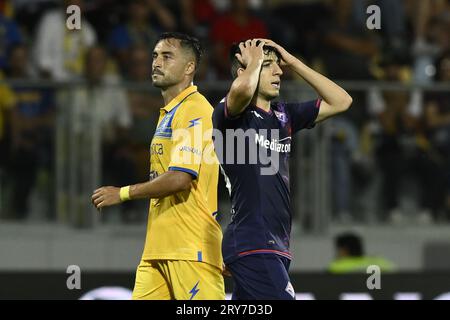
(281,116)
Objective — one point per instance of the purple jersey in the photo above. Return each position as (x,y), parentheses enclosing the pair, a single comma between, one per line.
(261,212)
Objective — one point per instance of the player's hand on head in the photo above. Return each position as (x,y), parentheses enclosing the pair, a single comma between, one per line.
(251,51)
(286,58)
(106,196)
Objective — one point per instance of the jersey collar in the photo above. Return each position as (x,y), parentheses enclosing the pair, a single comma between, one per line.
(178,99)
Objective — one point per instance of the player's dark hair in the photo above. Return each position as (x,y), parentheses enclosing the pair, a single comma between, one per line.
(187,42)
(235,64)
(350,242)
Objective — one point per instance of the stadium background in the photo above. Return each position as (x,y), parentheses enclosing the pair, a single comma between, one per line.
(77,110)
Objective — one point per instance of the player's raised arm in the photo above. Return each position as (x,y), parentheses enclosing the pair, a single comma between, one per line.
(334,99)
(247,72)
(170,182)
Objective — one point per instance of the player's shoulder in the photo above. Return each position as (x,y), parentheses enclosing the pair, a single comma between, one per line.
(198,99)
(221,104)
(196,104)
(277,105)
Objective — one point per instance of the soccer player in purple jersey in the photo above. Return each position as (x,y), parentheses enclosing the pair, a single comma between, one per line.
(255,246)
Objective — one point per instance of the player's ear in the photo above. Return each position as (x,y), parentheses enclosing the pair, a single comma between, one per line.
(190,68)
(240,71)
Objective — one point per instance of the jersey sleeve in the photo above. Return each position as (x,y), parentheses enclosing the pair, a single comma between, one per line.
(221,119)
(303,115)
(191,133)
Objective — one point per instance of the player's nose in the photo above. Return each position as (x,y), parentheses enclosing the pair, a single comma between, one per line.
(156,64)
(277,70)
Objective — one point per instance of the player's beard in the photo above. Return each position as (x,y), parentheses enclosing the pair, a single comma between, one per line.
(163,82)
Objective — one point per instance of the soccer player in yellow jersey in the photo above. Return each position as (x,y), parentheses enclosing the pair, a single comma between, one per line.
(182,255)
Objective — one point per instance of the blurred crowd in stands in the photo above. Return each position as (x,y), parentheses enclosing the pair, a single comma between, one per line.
(395,141)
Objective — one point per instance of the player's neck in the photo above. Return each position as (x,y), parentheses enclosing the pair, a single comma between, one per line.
(172,92)
(261,103)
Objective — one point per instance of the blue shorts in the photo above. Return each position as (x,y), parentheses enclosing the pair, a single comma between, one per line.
(261,277)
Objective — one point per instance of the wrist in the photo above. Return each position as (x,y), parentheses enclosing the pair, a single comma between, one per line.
(125,194)
(291,61)
(255,64)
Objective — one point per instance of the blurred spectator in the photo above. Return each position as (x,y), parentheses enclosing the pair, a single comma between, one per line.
(296,23)
(145,104)
(206,72)
(197,16)
(101,120)
(58,51)
(104,16)
(139,68)
(437,121)
(237,25)
(394,25)
(7,102)
(431,21)
(138,30)
(32,134)
(397,148)
(9,37)
(422,13)
(103,100)
(365,172)
(351,258)
(344,147)
(6,8)
(349,47)
(28,13)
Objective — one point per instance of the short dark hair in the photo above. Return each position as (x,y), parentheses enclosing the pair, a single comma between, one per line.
(186,42)
(235,64)
(351,242)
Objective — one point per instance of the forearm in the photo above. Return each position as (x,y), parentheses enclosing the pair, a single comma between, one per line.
(329,91)
(243,88)
(249,78)
(164,185)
